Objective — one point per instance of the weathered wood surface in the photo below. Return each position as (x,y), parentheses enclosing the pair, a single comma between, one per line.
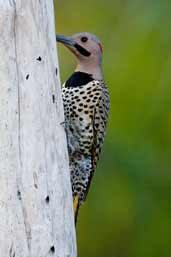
(36,217)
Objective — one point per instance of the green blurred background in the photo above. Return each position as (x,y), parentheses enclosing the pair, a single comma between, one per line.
(128,211)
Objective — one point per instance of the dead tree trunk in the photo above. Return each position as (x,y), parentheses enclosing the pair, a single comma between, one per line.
(36,217)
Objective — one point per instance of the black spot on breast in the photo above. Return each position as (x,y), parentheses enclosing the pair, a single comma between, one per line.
(94,89)
(76,97)
(82,92)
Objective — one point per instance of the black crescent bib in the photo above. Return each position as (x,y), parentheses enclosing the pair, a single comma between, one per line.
(78,79)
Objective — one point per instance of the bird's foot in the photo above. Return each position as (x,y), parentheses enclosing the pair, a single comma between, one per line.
(63,124)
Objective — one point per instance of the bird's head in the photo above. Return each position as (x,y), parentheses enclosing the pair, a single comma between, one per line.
(88,50)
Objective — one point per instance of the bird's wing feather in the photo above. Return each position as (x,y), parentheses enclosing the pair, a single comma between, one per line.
(99,124)
(100,119)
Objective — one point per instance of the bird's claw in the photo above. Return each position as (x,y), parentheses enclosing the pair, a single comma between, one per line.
(63,124)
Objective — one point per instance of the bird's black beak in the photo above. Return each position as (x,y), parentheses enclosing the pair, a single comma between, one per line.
(72,45)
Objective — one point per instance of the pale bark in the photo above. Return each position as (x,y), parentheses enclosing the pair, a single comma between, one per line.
(36,218)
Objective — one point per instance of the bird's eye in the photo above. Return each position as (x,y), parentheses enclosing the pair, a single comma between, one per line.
(84,39)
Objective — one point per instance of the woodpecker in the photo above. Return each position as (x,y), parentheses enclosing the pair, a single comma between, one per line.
(86,107)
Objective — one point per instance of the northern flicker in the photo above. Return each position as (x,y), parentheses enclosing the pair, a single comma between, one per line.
(86,107)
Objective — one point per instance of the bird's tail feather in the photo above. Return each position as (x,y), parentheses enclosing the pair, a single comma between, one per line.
(76,207)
